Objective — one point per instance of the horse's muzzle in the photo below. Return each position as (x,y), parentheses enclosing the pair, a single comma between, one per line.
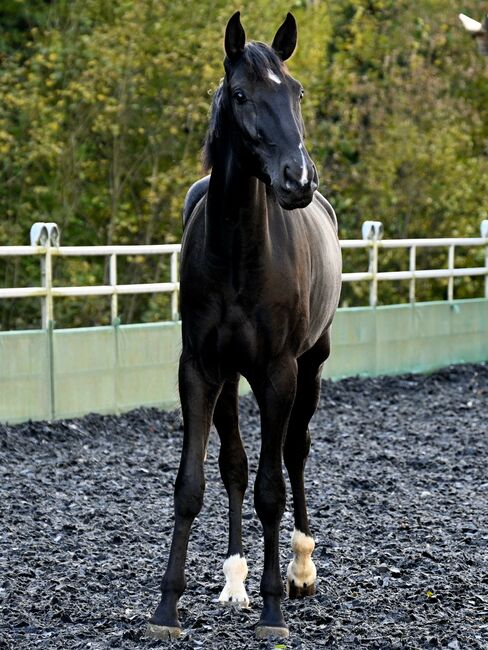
(292,198)
(296,186)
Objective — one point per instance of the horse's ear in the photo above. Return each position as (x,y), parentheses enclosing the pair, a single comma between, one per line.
(235,37)
(285,41)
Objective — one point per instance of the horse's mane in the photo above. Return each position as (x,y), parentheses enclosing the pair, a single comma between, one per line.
(259,60)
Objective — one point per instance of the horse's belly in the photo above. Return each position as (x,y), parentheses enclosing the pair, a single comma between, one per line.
(325,293)
(325,284)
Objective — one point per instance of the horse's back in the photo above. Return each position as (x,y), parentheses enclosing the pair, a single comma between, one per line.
(194,195)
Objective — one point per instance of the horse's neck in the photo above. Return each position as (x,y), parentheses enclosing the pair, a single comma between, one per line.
(236,213)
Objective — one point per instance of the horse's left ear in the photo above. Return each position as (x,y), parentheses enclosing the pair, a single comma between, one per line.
(285,41)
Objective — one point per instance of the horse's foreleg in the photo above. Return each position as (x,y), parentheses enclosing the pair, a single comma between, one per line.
(275,394)
(197,403)
(233,468)
(301,573)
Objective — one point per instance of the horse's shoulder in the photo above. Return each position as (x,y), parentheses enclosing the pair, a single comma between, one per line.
(326,206)
(194,195)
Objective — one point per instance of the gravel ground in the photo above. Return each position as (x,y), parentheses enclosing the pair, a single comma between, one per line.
(397,483)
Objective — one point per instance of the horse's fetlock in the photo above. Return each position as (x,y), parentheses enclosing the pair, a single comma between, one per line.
(173,586)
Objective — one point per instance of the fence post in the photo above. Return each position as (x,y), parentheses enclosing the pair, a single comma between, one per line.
(373,230)
(412,267)
(47,235)
(450,266)
(484,234)
(47,321)
(114,299)
(47,311)
(174,295)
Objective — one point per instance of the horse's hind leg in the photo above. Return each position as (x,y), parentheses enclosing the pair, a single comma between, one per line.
(197,401)
(301,570)
(233,468)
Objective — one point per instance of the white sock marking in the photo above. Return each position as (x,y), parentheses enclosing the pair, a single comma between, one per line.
(274,77)
(301,569)
(304,176)
(234,591)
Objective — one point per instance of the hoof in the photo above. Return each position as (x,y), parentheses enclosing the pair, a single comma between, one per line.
(241,604)
(266,631)
(162,632)
(295,591)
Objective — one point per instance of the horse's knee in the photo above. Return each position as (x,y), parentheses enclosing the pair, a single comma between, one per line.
(270,496)
(189,492)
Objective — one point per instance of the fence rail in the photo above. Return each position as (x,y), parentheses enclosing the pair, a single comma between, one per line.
(372,241)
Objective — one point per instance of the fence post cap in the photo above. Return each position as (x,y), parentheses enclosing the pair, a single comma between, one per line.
(54,233)
(484,228)
(39,234)
(372,230)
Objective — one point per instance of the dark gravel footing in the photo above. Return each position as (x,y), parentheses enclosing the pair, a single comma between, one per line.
(398,498)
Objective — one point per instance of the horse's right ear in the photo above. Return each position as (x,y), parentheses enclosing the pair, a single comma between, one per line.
(235,37)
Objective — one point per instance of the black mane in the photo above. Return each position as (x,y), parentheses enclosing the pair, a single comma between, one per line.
(259,60)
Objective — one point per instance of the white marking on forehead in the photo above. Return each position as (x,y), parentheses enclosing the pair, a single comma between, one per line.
(304,176)
(273,77)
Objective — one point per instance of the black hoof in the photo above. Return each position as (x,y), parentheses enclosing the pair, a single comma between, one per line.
(294,591)
(266,631)
(164,623)
(163,632)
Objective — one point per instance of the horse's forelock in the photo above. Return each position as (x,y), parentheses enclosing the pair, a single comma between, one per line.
(260,59)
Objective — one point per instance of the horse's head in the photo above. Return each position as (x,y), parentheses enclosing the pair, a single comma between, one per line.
(263,101)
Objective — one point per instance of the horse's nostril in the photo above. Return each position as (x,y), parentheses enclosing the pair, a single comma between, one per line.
(292,182)
(297,181)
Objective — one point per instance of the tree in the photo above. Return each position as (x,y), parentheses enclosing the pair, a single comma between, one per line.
(105,106)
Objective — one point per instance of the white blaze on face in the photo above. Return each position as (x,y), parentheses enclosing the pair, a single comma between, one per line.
(301,570)
(273,77)
(234,591)
(304,176)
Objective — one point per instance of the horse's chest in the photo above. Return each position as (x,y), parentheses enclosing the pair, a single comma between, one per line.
(250,331)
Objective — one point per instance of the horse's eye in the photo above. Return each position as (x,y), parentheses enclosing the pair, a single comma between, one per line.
(239,97)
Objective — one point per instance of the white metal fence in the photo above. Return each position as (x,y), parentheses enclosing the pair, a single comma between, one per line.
(45,245)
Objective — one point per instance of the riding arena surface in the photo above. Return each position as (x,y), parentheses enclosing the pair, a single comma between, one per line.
(397,486)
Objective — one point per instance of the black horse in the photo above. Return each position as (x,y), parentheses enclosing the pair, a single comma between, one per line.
(260,282)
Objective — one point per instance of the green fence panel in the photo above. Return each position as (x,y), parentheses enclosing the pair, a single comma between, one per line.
(115,369)
(147,365)
(353,343)
(25,390)
(67,373)
(407,338)
(84,371)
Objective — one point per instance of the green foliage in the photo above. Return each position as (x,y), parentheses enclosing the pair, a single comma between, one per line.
(105,105)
